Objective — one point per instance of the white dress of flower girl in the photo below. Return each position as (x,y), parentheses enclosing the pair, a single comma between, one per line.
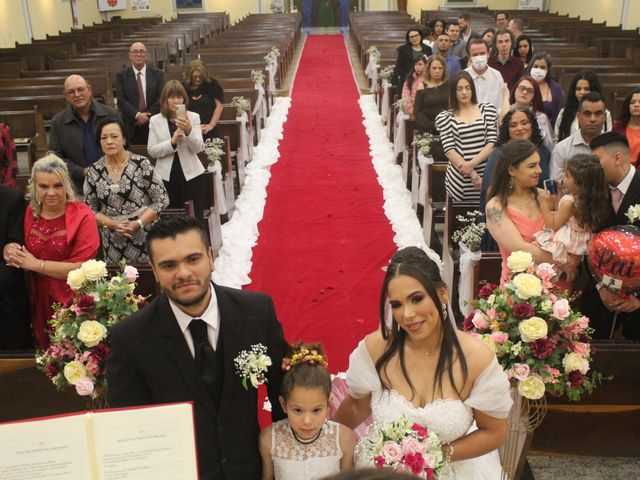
(449,418)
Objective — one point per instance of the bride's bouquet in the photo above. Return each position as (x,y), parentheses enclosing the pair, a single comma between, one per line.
(404,446)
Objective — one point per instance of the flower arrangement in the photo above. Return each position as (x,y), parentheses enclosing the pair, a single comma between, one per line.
(257,77)
(79,345)
(633,213)
(272,57)
(241,105)
(471,231)
(542,344)
(375,53)
(304,355)
(252,365)
(423,142)
(213,149)
(401,104)
(387,72)
(403,446)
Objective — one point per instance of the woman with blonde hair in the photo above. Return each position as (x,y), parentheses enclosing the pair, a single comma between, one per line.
(175,139)
(206,97)
(59,235)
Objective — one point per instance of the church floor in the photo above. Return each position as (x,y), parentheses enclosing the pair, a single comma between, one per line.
(584,468)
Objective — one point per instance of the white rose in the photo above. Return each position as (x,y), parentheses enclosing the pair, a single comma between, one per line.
(527,285)
(532,387)
(533,329)
(74,372)
(94,269)
(91,333)
(519,261)
(572,361)
(76,279)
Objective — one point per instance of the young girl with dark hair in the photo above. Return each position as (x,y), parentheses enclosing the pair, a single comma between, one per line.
(305,446)
(411,84)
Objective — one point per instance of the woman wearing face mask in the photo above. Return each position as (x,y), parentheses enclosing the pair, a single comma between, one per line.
(407,54)
(414,80)
(526,94)
(468,133)
(552,94)
(583,82)
(523,49)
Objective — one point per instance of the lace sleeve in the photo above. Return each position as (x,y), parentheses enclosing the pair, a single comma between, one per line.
(362,378)
(490,392)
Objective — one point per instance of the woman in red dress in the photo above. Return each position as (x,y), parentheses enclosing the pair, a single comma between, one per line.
(59,234)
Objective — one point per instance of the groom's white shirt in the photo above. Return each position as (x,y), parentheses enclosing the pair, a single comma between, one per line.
(211,317)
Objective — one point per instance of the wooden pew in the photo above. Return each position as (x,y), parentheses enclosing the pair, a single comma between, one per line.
(28,132)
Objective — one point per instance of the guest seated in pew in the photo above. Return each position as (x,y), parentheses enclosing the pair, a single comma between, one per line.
(566,124)
(407,54)
(432,97)
(206,97)
(628,123)
(73,130)
(8,161)
(591,117)
(15,323)
(513,213)
(126,194)
(138,91)
(59,235)
(414,80)
(526,94)
(175,141)
(523,49)
(552,94)
(468,133)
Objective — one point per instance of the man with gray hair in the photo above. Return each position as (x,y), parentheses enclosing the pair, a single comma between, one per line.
(516,26)
(73,131)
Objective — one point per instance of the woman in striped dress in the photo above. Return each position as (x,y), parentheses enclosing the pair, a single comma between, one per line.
(468,133)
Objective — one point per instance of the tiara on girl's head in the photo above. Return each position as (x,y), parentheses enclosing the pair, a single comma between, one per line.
(304,355)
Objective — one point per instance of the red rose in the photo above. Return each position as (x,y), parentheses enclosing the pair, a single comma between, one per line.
(486,290)
(542,348)
(430,474)
(468,325)
(523,311)
(84,304)
(52,369)
(379,461)
(415,461)
(100,352)
(68,302)
(575,378)
(420,430)
(142,304)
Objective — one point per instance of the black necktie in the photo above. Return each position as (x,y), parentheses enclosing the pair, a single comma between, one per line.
(206,359)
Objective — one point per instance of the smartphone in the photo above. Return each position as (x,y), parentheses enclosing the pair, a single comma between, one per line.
(181,111)
(551,186)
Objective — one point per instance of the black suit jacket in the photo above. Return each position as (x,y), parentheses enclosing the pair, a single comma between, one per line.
(150,363)
(15,326)
(127,94)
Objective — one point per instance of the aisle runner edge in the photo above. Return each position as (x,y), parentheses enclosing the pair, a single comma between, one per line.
(397,199)
(240,234)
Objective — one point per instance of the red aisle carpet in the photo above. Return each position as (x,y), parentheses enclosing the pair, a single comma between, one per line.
(324,237)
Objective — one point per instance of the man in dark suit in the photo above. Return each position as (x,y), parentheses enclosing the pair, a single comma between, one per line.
(599,302)
(163,353)
(138,91)
(15,324)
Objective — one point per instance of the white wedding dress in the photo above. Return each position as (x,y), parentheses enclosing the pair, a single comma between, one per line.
(450,419)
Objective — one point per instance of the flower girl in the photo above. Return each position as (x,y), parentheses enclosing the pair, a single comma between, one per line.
(305,446)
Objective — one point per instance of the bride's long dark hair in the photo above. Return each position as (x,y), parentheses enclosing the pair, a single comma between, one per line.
(415,263)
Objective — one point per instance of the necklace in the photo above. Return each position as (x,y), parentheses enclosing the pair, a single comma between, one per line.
(426,354)
(118,167)
(306,442)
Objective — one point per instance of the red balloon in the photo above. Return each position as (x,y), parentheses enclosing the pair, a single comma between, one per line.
(614,258)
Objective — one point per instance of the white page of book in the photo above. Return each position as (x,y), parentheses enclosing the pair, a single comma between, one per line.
(49,449)
(146,443)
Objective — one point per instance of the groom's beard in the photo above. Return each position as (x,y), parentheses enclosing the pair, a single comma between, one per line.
(189,302)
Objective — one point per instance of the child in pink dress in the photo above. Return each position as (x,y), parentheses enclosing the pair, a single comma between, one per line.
(580,212)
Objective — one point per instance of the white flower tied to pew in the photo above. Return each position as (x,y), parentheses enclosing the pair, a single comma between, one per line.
(469,236)
(213,150)
(372,67)
(257,77)
(386,74)
(260,108)
(423,142)
(399,132)
(242,106)
(272,67)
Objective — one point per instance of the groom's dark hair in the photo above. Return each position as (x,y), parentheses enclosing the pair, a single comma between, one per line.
(172,226)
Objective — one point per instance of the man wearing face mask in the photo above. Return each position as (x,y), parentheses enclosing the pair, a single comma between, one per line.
(591,116)
(488,81)
(443,42)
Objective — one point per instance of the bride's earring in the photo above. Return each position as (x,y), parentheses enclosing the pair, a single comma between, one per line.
(510,183)
(445,313)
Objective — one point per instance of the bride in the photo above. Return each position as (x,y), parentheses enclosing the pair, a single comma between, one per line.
(418,365)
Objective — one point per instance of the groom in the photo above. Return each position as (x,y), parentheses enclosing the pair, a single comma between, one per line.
(165,353)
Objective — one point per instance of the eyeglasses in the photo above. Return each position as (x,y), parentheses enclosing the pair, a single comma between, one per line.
(73,91)
(138,52)
(523,89)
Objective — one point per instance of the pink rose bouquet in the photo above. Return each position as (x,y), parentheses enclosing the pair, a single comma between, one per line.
(542,344)
(404,446)
(79,348)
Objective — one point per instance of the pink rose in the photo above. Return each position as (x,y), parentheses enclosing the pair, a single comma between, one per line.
(391,451)
(84,387)
(561,309)
(92,365)
(411,445)
(553,298)
(545,271)
(429,460)
(583,322)
(499,337)
(130,274)
(520,371)
(491,313)
(581,348)
(479,321)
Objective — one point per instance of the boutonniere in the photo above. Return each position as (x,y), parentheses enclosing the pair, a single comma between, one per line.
(633,213)
(252,365)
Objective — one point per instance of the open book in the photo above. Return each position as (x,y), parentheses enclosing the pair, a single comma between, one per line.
(154,442)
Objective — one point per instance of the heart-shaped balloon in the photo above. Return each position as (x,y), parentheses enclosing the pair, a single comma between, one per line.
(614,258)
